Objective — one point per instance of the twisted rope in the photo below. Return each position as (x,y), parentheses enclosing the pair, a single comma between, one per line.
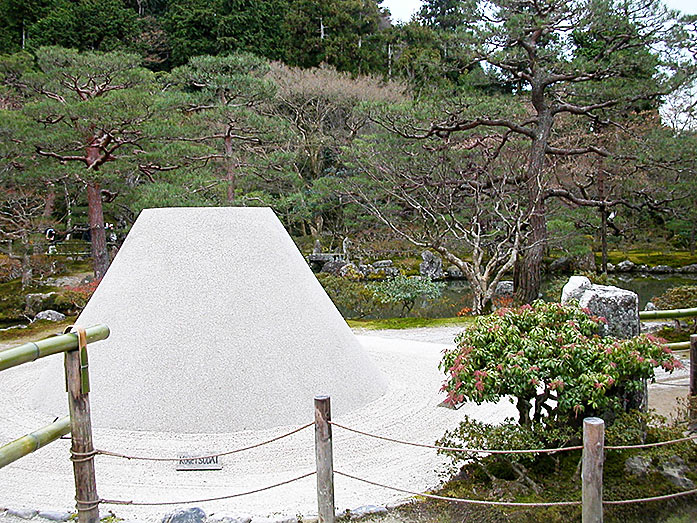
(458,449)
(461,500)
(188,502)
(649,445)
(655,498)
(147,458)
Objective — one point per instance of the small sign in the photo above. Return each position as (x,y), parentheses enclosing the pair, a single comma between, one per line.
(190,462)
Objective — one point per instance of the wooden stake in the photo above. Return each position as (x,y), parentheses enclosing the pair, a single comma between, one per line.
(592,474)
(82,448)
(324,459)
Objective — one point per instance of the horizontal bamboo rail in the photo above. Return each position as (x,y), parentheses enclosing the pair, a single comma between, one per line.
(668,314)
(33,441)
(680,345)
(34,350)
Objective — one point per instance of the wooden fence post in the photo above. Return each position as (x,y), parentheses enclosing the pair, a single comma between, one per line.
(324,459)
(82,448)
(592,472)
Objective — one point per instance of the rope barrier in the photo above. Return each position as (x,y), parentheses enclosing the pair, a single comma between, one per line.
(517,504)
(648,445)
(188,502)
(461,500)
(655,498)
(147,458)
(515,451)
(459,449)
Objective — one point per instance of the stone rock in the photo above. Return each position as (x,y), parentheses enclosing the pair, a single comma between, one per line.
(23,513)
(55,516)
(625,266)
(37,302)
(189,515)
(637,465)
(350,270)
(563,264)
(661,269)
(276,519)
(231,518)
(674,470)
(610,267)
(649,327)
(317,248)
(642,268)
(504,289)
(382,264)
(650,306)
(619,307)
(692,268)
(574,288)
(399,503)
(585,262)
(454,272)
(367,510)
(333,267)
(49,315)
(431,266)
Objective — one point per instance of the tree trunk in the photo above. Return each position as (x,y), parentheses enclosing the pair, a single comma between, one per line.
(27,271)
(230,174)
(100,255)
(49,202)
(527,274)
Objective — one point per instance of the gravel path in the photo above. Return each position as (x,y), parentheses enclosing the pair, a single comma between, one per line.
(409,410)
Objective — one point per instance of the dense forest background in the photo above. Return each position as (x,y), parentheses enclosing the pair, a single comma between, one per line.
(492,132)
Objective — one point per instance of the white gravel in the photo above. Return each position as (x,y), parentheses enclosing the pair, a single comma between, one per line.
(409,410)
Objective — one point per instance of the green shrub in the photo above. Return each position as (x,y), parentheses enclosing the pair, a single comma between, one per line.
(681,297)
(352,298)
(405,290)
(549,358)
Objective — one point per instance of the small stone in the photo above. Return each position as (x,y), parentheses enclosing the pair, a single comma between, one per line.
(637,465)
(504,288)
(228,518)
(190,515)
(276,519)
(625,266)
(661,269)
(610,267)
(692,268)
(49,315)
(650,306)
(55,516)
(23,513)
(642,268)
(674,470)
(382,264)
(367,510)
(397,504)
(454,272)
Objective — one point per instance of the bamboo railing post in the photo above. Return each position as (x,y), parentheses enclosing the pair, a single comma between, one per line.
(82,448)
(693,382)
(592,472)
(324,459)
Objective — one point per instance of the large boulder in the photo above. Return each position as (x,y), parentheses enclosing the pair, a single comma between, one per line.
(34,303)
(431,266)
(619,307)
(504,289)
(49,315)
(574,288)
(691,269)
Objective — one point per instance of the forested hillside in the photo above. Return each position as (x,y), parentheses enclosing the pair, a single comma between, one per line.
(490,132)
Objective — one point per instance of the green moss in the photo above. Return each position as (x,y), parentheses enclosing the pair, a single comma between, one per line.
(408,323)
(651,258)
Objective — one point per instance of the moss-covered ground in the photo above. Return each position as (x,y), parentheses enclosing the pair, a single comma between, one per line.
(409,323)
